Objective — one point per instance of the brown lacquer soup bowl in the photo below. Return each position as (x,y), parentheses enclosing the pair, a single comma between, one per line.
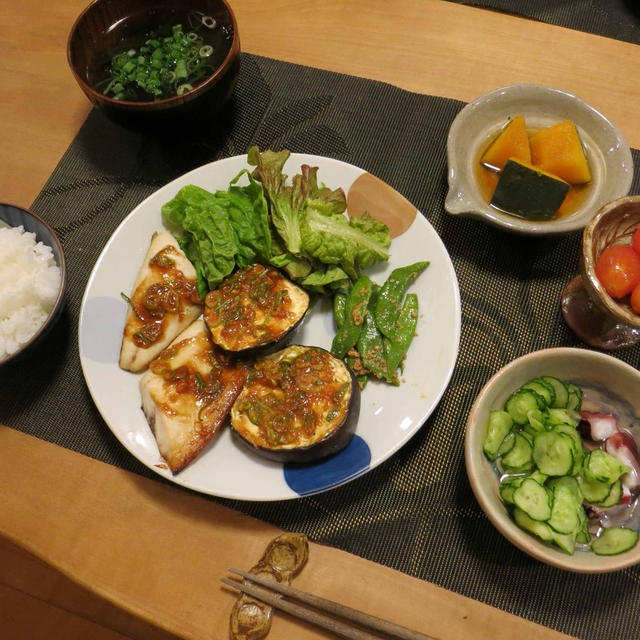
(148,63)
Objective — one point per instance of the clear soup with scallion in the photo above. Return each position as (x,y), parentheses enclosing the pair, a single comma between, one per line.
(160,54)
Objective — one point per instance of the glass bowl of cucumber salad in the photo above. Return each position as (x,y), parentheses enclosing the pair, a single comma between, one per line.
(551,451)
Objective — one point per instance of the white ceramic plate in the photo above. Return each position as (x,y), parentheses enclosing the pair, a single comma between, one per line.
(389,415)
(481,120)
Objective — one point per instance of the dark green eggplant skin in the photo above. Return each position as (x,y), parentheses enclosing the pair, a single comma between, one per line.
(332,443)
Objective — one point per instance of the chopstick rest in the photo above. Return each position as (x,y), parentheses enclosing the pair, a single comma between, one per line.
(283,558)
(342,620)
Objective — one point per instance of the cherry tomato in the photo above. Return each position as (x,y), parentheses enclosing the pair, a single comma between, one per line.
(635,299)
(618,269)
(635,240)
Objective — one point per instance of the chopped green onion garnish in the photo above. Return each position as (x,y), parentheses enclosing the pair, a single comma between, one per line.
(161,66)
(208,22)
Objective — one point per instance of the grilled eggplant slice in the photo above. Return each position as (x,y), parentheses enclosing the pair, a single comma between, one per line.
(255,311)
(298,405)
(187,393)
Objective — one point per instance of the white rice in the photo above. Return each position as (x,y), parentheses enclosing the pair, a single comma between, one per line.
(29,283)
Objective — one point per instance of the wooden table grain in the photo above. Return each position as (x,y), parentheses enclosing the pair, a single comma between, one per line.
(62,575)
(427,46)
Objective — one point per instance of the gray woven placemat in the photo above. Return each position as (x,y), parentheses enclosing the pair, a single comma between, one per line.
(618,19)
(416,512)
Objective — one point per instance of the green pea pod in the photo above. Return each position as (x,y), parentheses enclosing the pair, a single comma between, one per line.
(370,344)
(391,295)
(357,366)
(339,304)
(355,312)
(397,347)
(371,348)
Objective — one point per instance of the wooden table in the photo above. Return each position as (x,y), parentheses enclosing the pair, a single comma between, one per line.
(67,565)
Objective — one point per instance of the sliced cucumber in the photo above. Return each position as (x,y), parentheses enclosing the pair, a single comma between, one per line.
(519,457)
(507,444)
(522,401)
(615,493)
(564,516)
(599,466)
(553,453)
(498,427)
(594,491)
(560,391)
(533,499)
(583,536)
(536,421)
(574,401)
(507,487)
(538,476)
(540,529)
(614,540)
(565,541)
(563,416)
(570,483)
(578,452)
(543,389)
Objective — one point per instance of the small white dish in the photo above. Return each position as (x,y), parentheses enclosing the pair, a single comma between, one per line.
(606,379)
(480,121)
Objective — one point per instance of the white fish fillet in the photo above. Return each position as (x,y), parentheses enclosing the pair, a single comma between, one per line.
(134,356)
(183,420)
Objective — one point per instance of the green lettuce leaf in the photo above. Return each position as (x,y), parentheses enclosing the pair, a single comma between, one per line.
(299,227)
(200,222)
(310,220)
(287,202)
(326,279)
(352,244)
(249,215)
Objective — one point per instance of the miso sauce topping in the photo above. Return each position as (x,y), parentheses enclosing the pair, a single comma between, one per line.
(290,398)
(169,296)
(205,377)
(252,306)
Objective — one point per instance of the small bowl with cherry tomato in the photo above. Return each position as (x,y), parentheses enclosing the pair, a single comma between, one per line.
(611,257)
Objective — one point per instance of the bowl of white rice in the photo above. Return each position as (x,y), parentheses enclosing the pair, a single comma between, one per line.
(32,280)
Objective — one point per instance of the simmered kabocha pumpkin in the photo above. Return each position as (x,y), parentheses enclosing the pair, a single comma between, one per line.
(512,142)
(527,191)
(298,405)
(535,174)
(558,150)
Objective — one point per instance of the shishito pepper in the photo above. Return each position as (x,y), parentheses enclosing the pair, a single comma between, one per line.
(396,347)
(391,295)
(354,314)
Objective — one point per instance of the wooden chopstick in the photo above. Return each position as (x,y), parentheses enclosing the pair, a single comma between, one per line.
(339,625)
